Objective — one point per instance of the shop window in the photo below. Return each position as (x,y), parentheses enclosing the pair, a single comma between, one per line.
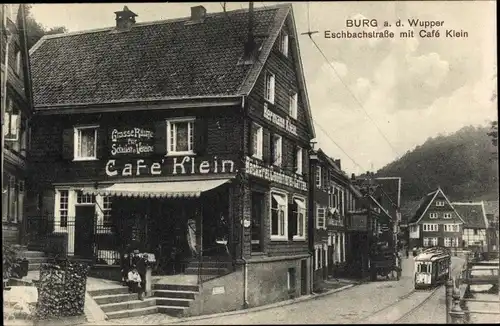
(320,218)
(257,141)
(298,220)
(180,140)
(298,160)
(269,87)
(277,150)
(278,213)
(292,110)
(63,208)
(85,143)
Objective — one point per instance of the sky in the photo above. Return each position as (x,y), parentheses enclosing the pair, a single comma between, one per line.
(372,100)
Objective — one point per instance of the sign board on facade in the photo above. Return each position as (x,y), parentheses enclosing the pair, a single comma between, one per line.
(280,121)
(131,142)
(359,222)
(218,290)
(187,165)
(274,176)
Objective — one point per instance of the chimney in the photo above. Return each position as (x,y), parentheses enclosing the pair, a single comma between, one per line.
(198,14)
(125,19)
(353,176)
(337,162)
(250,43)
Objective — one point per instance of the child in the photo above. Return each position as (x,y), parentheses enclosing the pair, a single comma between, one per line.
(134,282)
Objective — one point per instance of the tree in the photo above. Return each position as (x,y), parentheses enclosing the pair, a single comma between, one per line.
(36,30)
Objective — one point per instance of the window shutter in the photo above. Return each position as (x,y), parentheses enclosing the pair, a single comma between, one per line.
(294,158)
(102,142)
(160,145)
(266,147)
(271,148)
(67,149)
(200,135)
(250,139)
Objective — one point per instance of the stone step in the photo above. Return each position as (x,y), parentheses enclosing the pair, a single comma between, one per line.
(171,310)
(128,305)
(173,302)
(33,267)
(177,287)
(207,271)
(110,291)
(174,294)
(37,260)
(32,253)
(209,264)
(115,298)
(132,312)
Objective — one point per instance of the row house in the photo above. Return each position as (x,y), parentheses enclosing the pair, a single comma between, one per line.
(193,144)
(476,224)
(331,197)
(435,222)
(16,112)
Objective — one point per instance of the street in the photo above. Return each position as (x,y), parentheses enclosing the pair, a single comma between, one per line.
(359,304)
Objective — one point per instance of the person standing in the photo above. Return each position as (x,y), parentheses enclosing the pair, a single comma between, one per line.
(140,263)
(191,237)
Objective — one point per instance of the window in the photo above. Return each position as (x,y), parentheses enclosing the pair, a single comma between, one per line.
(83,199)
(448,242)
(299,214)
(434,241)
(180,136)
(426,242)
(106,208)
(63,208)
(320,219)
(277,152)
(12,121)
(475,232)
(318,176)
(298,161)
(269,87)
(439,203)
(451,228)
(291,279)
(18,61)
(431,227)
(257,141)
(85,143)
(433,215)
(284,43)
(447,215)
(12,198)
(293,106)
(278,212)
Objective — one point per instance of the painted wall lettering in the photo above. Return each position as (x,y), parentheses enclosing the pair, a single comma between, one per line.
(186,165)
(280,121)
(133,141)
(275,176)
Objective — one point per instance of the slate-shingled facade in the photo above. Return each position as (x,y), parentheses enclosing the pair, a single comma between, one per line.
(231,130)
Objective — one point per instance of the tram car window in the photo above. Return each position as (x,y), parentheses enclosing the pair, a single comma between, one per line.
(432,267)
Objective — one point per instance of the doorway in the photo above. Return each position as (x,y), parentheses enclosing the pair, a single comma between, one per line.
(84,230)
(257,218)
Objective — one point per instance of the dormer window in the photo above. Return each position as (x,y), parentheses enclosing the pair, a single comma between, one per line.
(284,43)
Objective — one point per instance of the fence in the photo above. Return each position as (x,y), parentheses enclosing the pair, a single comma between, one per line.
(459,295)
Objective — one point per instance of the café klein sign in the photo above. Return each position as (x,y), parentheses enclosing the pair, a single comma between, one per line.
(132,141)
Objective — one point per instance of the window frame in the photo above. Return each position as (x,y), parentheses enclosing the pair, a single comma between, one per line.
(440,203)
(191,136)
(77,139)
(270,87)
(319,209)
(293,105)
(297,237)
(278,237)
(284,43)
(278,157)
(448,215)
(433,215)
(299,162)
(318,176)
(18,62)
(448,242)
(429,227)
(258,153)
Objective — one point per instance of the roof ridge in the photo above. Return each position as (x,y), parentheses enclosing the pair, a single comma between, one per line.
(466,203)
(164,21)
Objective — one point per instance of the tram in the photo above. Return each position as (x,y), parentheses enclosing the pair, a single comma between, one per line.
(432,267)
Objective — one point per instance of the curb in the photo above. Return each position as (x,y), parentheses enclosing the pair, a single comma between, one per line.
(308,297)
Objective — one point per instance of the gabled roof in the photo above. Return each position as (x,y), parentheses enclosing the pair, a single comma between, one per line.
(381,207)
(426,202)
(409,209)
(392,187)
(473,214)
(159,61)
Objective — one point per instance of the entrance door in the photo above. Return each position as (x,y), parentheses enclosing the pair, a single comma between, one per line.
(257,218)
(84,230)
(303,277)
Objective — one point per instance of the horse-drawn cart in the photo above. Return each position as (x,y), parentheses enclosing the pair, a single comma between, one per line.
(386,264)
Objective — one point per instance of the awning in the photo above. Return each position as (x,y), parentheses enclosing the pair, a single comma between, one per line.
(279,200)
(174,189)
